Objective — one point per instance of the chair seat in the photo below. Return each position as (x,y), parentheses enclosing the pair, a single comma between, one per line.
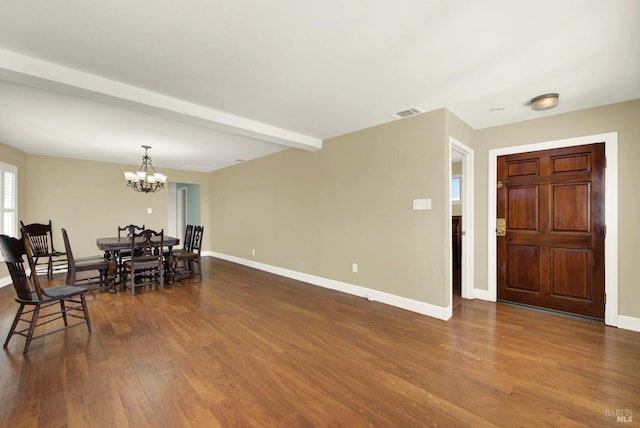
(143,262)
(182,254)
(53,294)
(95,262)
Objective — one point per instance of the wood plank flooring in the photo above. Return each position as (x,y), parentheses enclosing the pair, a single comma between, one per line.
(243,348)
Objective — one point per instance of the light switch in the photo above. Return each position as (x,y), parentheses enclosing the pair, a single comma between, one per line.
(422,204)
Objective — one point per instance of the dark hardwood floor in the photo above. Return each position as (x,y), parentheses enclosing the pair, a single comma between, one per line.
(243,348)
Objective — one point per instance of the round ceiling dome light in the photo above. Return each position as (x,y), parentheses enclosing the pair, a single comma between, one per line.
(545,102)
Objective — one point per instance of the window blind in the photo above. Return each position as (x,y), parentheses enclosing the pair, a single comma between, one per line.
(8,199)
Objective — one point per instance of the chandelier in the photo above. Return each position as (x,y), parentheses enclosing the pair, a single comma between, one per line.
(143,180)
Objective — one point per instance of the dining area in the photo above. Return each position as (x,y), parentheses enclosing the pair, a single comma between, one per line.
(143,257)
(134,259)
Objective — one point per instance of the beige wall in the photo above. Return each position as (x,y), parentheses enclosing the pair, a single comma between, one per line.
(623,118)
(90,199)
(351,202)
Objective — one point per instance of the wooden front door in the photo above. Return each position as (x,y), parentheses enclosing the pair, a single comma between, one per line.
(552,251)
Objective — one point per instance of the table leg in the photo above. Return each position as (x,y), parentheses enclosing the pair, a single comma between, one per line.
(171,266)
(113,268)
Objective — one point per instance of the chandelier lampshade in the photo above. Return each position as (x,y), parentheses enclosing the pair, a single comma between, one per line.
(146,179)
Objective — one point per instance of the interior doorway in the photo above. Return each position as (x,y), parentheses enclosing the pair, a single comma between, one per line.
(183,207)
(181,210)
(461,161)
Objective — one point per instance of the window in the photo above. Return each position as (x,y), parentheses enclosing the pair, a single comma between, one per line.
(8,199)
(456,189)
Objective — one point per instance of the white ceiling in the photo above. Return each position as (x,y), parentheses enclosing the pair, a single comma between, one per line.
(209,82)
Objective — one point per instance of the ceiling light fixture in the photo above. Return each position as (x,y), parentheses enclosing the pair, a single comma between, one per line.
(142,180)
(545,102)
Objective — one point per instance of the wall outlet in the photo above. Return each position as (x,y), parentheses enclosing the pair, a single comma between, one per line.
(253,251)
(354,267)
(149,211)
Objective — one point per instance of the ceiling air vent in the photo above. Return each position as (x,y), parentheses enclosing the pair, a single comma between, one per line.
(406,113)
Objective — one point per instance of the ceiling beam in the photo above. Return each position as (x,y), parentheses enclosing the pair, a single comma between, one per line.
(53,77)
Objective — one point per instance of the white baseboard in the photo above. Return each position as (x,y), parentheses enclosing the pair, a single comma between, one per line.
(629,323)
(5,281)
(356,290)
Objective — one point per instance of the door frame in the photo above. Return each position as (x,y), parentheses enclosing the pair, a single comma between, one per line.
(611,212)
(181,210)
(467,266)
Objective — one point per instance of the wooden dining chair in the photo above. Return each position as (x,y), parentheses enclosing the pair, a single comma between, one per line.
(176,266)
(196,248)
(126,231)
(104,270)
(146,265)
(41,237)
(186,258)
(44,305)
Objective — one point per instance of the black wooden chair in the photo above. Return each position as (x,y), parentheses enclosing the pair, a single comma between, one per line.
(146,265)
(178,268)
(41,237)
(186,258)
(126,231)
(62,301)
(104,270)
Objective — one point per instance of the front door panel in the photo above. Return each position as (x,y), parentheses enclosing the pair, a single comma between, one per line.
(552,254)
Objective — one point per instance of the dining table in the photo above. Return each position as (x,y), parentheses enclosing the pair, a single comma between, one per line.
(112,245)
